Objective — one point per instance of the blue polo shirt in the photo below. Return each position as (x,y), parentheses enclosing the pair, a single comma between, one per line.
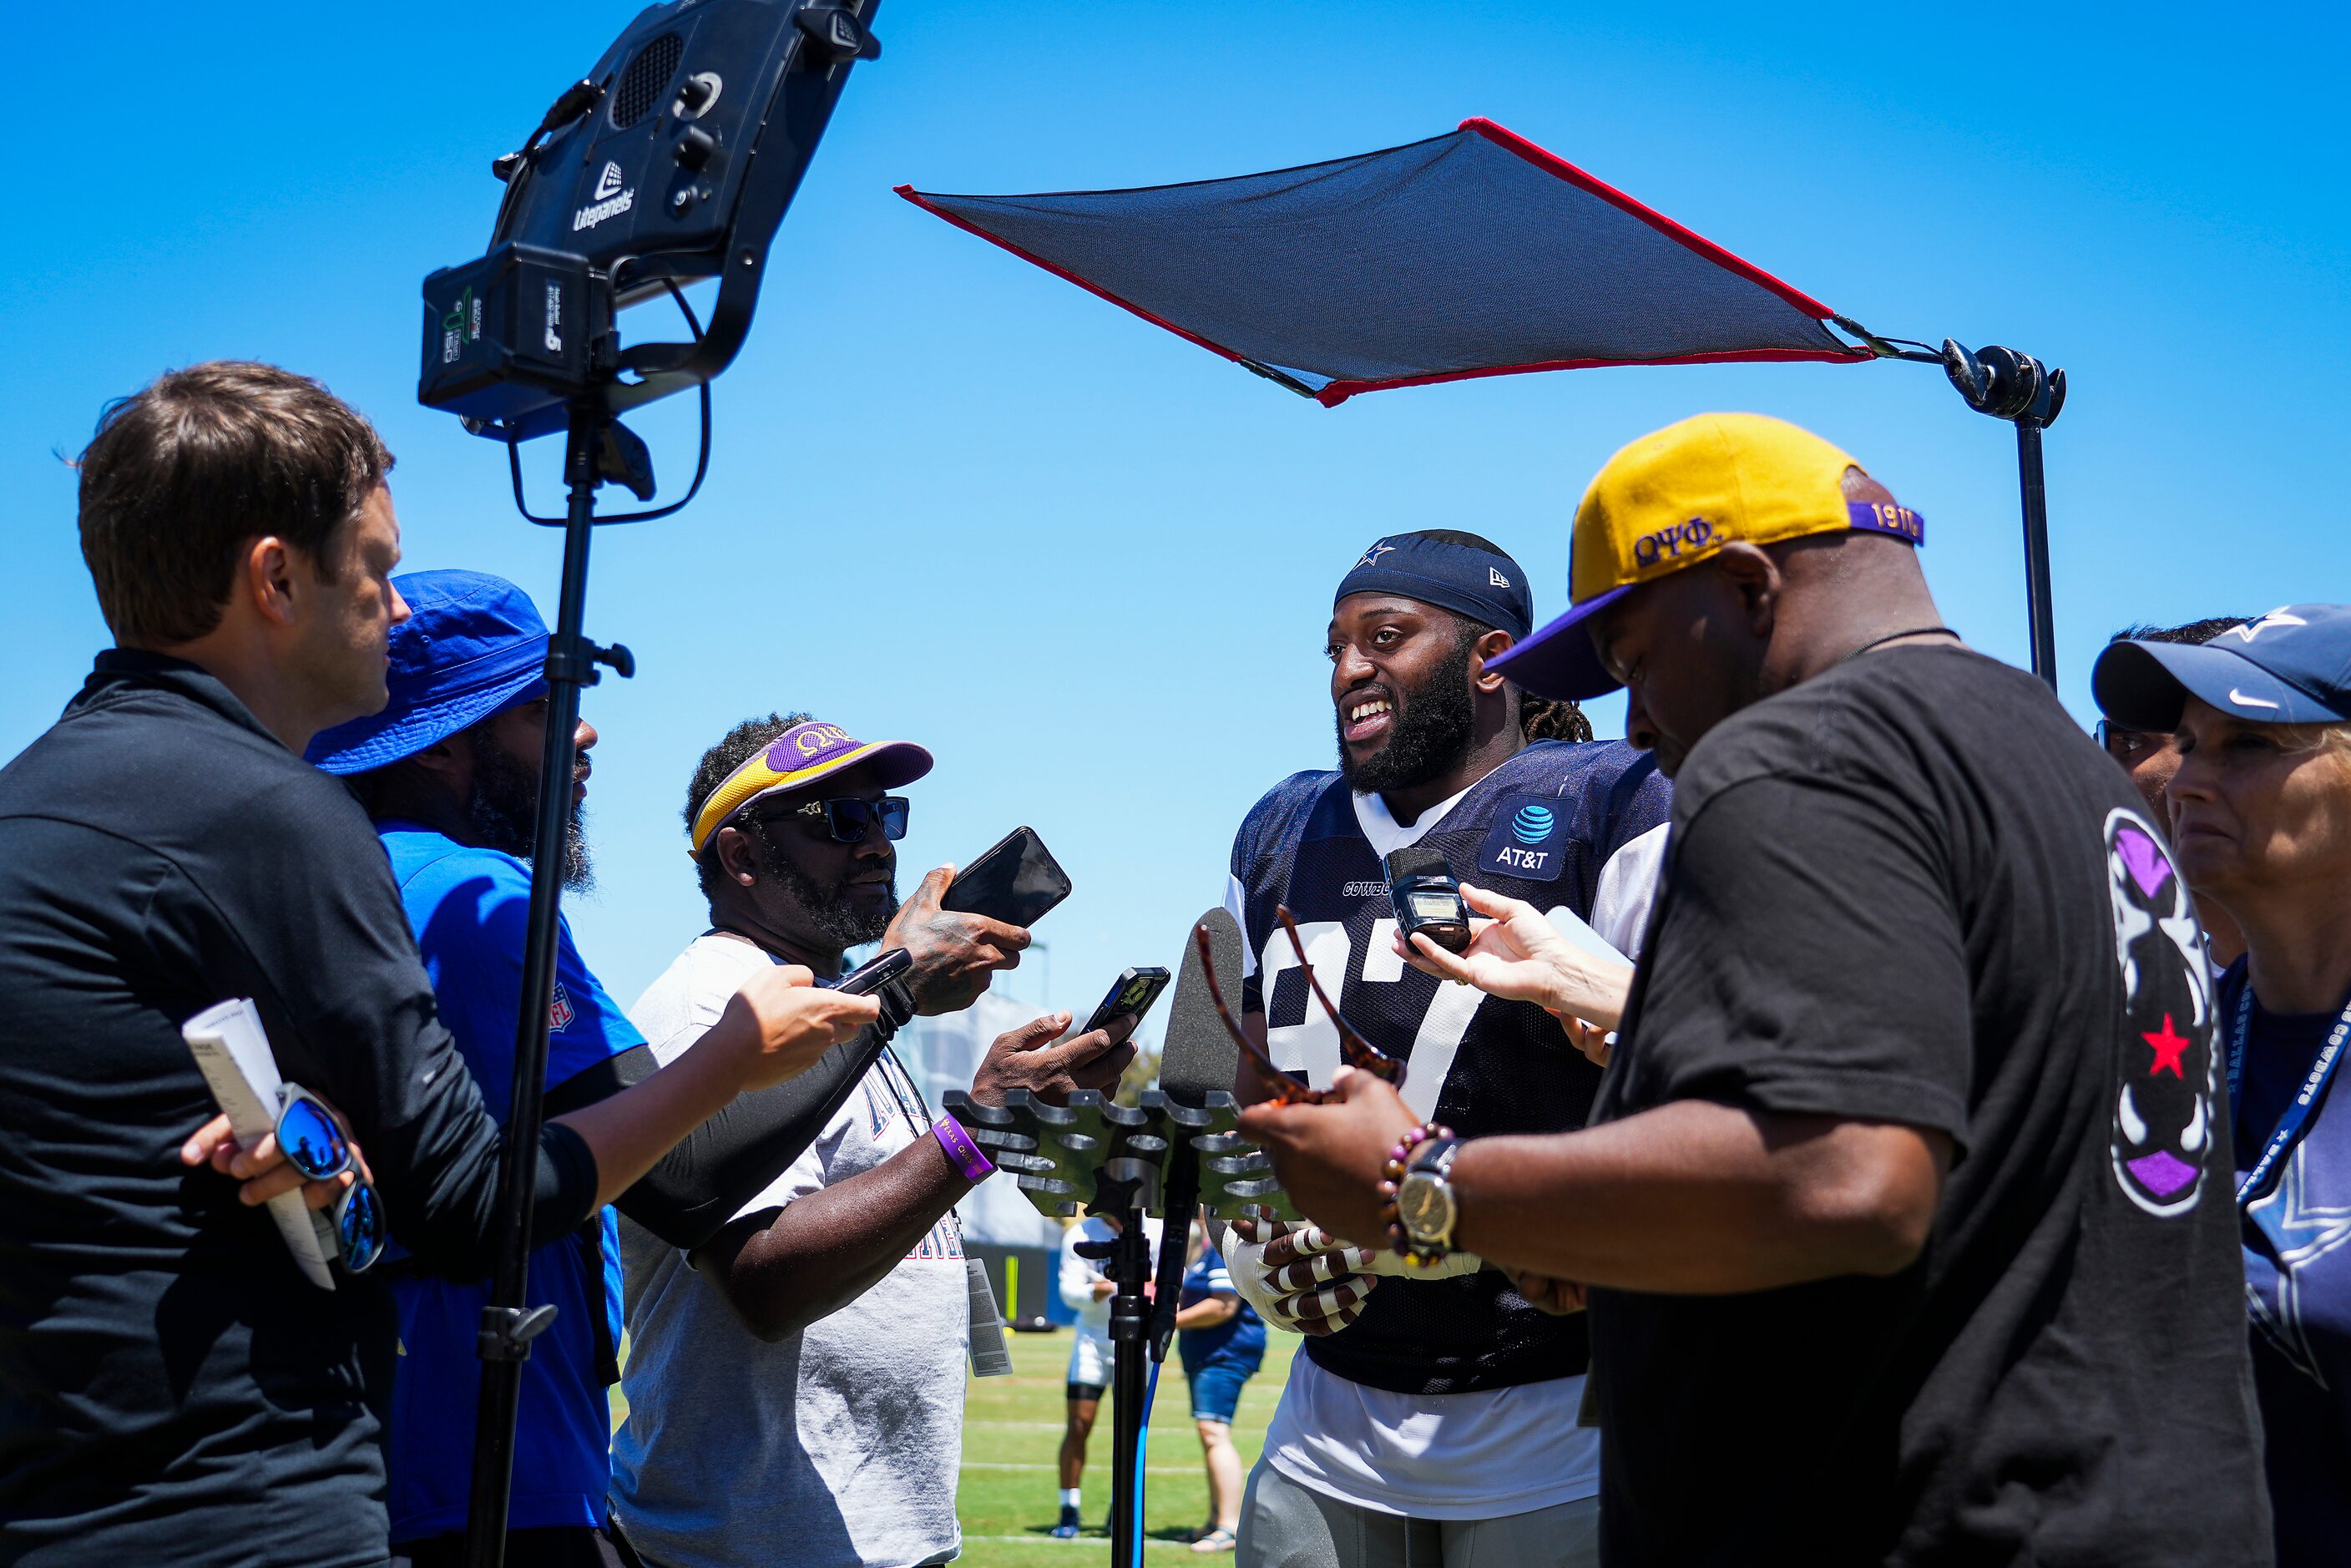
(469,907)
(1240,1336)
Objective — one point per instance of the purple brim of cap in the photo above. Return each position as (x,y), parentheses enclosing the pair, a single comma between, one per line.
(1561,659)
(2144,686)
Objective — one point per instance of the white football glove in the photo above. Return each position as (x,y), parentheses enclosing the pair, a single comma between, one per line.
(1321,1291)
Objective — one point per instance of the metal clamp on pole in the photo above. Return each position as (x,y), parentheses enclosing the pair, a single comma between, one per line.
(579,669)
(2015,387)
(506,1331)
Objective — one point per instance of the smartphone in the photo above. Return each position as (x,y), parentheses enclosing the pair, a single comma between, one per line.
(1016,880)
(876,972)
(1131,995)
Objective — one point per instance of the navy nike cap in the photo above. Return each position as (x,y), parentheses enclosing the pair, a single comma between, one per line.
(2291,666)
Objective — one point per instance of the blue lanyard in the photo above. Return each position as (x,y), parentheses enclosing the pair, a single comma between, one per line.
(2296,1121)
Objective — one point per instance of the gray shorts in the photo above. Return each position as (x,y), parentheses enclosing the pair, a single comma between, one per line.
(1285,1525)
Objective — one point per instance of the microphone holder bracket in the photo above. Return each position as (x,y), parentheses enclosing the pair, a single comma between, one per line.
(1080,1155)
(1130,1161)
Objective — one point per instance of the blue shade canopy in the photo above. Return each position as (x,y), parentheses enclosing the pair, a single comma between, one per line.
(1472,254)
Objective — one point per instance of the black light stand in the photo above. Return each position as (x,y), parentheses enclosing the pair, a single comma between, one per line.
(508,1327)
(673,160)
(2015,387)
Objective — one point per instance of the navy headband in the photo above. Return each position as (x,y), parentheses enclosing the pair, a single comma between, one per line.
(1485,585)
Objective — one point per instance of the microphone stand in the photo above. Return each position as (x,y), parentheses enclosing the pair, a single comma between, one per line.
(1125,1160)
(1127,1257)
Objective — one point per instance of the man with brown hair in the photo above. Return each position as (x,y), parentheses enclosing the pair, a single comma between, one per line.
(172,1389)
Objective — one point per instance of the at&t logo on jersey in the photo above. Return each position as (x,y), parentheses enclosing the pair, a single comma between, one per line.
(1521,842)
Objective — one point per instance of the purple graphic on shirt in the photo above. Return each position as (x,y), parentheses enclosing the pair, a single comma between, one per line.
(2162,1134)
(2163,1172)
(2144,859)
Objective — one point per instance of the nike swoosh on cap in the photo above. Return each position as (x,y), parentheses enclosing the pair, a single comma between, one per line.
(2241,700)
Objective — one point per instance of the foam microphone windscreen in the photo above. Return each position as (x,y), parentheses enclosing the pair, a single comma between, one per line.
(1198,1056)
(1414,860)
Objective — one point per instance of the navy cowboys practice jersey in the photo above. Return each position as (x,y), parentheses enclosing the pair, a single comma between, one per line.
(1541,827)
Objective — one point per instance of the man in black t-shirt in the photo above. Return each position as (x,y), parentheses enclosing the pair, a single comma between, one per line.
(1904,1213)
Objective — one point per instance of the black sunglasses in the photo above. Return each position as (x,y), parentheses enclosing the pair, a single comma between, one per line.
(2127,746)
(848,821)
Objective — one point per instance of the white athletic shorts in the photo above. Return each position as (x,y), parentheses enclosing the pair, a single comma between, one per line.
(1089,1359)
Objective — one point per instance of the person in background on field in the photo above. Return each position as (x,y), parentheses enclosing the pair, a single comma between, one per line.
(2152,756)
(1085,1290)
(1222,1341)
(2260,721)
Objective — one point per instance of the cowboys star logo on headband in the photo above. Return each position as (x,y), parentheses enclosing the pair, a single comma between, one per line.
(1450,570)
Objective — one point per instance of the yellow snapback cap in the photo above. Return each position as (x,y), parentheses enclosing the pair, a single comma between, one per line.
(1673,498)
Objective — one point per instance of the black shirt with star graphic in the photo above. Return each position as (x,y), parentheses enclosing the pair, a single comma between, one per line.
(1912,890)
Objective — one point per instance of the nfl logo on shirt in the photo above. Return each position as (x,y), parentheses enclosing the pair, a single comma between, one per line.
(558,1011)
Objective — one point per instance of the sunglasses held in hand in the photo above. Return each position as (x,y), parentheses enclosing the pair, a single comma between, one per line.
(1358,1051)
(314,1144)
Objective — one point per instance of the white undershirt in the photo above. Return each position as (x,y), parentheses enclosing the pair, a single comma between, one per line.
(1453,1456)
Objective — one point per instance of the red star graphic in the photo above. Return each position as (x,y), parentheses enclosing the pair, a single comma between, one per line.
(2168,1047)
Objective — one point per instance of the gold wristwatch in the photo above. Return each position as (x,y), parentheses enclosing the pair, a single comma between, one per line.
(1425,1202)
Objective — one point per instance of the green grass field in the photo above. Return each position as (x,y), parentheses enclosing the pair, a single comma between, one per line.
(1012,1432)
(1008,1493)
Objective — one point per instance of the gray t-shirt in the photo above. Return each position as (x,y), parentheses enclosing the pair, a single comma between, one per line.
(836,1448)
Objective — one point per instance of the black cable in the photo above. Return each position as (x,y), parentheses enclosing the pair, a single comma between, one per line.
(701,461)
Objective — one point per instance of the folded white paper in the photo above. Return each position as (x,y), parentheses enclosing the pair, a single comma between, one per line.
(232,1050)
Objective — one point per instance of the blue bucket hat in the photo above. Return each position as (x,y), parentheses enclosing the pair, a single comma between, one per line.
(473,645)
(2291,666)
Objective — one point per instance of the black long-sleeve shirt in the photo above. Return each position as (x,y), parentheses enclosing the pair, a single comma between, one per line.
(172,1389)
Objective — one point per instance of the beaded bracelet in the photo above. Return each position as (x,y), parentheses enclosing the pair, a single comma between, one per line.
(1399,1161)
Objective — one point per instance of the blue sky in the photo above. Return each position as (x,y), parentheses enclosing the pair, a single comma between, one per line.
(959,501)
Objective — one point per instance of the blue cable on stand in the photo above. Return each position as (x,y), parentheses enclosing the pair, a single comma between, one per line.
(1142,1453)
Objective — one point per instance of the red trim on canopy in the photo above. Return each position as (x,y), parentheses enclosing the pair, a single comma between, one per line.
(1553,163)
(1064,273)
(1336,392)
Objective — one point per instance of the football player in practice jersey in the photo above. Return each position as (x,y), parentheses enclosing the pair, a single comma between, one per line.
(1433,1419)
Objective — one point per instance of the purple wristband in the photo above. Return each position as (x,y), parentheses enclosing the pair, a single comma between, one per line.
(975,1165)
